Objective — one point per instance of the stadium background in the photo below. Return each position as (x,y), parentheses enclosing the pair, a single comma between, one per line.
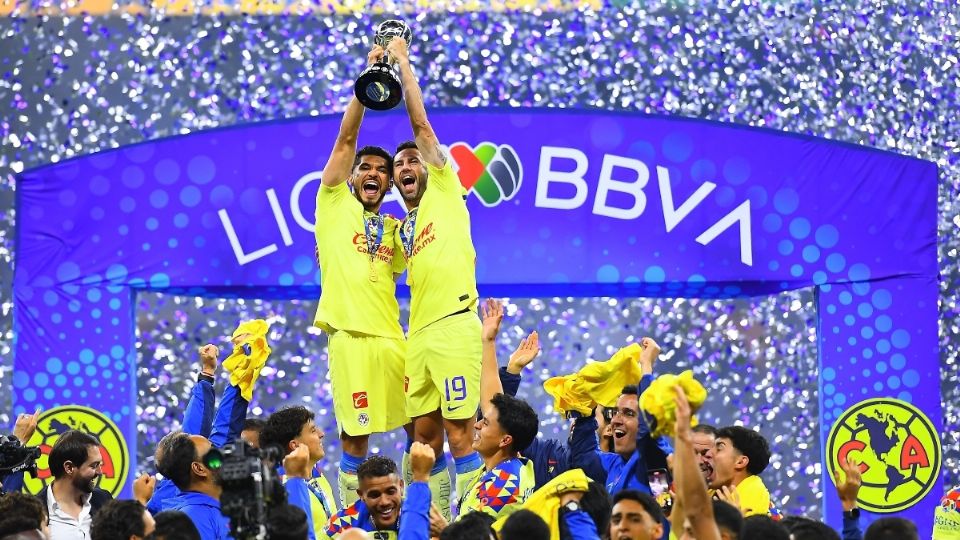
(881,77)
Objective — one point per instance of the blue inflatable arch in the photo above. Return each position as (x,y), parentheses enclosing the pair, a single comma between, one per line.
(564,203)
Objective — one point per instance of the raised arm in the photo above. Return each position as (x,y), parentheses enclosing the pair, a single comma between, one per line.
(340,163)
(691,489)
(423,134)
(492,312)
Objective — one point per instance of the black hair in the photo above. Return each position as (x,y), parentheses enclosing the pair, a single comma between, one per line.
(173,525)
(472,526)
(118,520)
(284,426)
(406,145)
(20,512)
(253,424)
(177,460)
(162,447)
(727,517)
(70,446)
(891,528)
(287,522)
(523,525)
(762,528)
(802,528)
(749,443)
(649,504)
(705,429)
(376,466)
(630,390)
(517,419)
(373,151)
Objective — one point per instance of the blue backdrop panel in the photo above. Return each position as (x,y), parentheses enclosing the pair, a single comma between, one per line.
(563,203)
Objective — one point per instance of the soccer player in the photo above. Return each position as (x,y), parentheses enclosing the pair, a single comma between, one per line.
(359,262)
(444,349)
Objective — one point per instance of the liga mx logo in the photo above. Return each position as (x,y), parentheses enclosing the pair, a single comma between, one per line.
(491,171)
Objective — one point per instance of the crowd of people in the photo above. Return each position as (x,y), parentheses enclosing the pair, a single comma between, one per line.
(614,477)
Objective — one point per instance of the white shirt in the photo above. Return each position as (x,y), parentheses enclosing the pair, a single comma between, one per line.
(62,525)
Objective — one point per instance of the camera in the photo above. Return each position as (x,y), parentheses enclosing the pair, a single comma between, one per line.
(15,457)
(251,486)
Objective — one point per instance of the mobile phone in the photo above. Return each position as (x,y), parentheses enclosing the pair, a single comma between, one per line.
(659,483)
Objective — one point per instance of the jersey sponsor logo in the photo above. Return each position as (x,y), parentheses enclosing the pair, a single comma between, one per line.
(384,253)
(59,420)
(898,450)
(360,400)
(490,171)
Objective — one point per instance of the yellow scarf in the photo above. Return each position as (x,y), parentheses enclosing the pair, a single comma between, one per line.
(244,369)
(658,401)
(545,502)
(596,383)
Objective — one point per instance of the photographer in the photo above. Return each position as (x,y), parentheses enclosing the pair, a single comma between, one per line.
(23,429)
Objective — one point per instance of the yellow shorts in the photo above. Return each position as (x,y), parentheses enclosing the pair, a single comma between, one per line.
(443,367)
(366,379)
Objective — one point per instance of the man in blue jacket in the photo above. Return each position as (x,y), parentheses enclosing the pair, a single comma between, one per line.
(198,419)
(635,453)
(199,485)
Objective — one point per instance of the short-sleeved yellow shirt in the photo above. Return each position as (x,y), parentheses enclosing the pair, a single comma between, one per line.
(350,300)
(441,261)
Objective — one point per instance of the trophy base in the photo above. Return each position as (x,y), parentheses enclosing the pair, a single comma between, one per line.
(378,88)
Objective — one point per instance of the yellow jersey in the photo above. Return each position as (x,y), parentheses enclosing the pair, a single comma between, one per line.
(754,497)
(357,291)
(441,260)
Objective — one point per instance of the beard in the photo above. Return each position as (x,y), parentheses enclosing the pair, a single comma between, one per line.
(86,485)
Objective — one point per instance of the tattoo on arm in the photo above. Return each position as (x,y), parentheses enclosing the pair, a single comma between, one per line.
(441,155)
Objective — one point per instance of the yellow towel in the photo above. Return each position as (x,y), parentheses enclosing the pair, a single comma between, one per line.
(545,502)
(596,383)
(244,369)
(658,405)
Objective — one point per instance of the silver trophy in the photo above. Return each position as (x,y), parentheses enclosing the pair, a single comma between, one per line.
(378,87)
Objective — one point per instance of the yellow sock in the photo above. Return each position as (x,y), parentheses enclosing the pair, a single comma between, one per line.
(440,486)
(348,484)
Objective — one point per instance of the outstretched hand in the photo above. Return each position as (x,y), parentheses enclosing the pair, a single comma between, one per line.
(208,358)
(528,349)
(492,313)
(849,488)
(651,350)
(26,425)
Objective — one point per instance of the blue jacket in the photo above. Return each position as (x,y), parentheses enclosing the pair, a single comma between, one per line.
(204,512)
(415,512)
(851,528)
(551,457)
(198,418)
(579,526)
(630,473)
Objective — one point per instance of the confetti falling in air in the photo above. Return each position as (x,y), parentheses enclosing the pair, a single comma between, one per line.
(885,77)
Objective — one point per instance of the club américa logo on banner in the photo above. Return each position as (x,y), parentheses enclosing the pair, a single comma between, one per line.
(59,420)
(898,450)
(490,171)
